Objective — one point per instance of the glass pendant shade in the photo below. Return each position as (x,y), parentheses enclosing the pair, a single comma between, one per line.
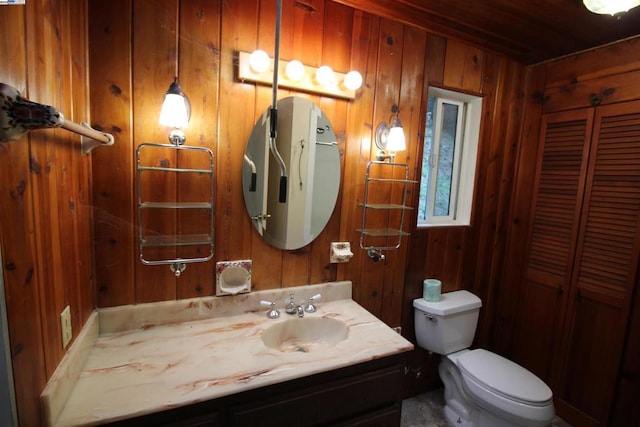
(396,141)
(175,110)
(610,7)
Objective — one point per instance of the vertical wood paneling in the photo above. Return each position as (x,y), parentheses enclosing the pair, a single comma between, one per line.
(47,159)
(134,49)
(513,109)
(153,69)
(594,317)
(463,66)
(412,80)
(113,168)
(373,275)
(419,266)
(199,27)
(520,210)
(337,41)
(21,280)
(502,120)
(358,143)
(471,257)
(382,50)
(296,264)
(133,54)
(46,221)
(237,114)
(81,204)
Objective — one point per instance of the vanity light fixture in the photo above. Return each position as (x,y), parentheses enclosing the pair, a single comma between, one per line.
(390,137)
(297,76)
(175,112)
(610,7)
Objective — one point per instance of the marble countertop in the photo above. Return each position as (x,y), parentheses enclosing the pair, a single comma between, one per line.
(152,357)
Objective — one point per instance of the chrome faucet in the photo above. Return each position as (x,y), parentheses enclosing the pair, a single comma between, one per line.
(300,311)
(291,308)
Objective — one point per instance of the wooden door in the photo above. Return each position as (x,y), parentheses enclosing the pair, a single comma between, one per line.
(557,198)
(605,268)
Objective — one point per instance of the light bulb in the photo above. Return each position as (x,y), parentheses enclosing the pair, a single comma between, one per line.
(174,112)
(294,70)
(324,76)
(353,80)
(259,61)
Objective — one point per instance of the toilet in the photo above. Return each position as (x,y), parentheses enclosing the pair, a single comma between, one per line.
(481,387)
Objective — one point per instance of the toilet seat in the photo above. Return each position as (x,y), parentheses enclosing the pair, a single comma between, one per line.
(504,377)
(505,385)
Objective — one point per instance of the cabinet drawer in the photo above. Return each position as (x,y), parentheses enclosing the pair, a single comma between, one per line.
(323,403)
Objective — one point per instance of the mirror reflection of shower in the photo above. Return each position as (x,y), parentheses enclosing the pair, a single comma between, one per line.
(307,144)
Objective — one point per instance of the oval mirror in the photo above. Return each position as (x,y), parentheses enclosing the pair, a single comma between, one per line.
(307,144)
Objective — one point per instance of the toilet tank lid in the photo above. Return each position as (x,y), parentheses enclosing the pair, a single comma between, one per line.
(450,303)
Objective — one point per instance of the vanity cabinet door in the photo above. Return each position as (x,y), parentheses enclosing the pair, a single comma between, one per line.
(366,394)
(198,415)
(333,403)
(387,417)
(209,420)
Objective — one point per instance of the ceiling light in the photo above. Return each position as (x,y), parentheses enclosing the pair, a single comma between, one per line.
(610,7)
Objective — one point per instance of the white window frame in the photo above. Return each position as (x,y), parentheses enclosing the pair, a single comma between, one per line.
(465,158)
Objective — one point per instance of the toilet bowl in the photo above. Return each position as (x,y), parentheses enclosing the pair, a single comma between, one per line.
(481,387)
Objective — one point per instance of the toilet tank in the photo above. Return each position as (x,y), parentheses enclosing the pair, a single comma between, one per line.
(449,325)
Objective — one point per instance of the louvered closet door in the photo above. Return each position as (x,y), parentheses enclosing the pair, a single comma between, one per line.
(606,262)
(557,197)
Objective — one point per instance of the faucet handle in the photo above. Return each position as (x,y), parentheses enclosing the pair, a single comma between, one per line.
(310,308)
(273,313)
(291,308)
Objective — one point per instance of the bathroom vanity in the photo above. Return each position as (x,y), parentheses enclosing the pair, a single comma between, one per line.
(207,361)
(360,395)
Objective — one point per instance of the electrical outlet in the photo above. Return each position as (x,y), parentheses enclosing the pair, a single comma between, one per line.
(65,323)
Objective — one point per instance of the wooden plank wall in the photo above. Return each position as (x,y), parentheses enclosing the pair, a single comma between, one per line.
(606,75)
(45,193)
(396,60)
(135,50)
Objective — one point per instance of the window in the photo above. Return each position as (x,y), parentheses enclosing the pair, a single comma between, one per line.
(449,158)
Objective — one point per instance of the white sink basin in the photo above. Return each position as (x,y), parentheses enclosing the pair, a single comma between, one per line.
(305,334)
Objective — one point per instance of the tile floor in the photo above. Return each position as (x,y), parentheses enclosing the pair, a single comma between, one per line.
(427,410)
(424,410)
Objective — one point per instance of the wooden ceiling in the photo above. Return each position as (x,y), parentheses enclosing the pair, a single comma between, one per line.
(530,31)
